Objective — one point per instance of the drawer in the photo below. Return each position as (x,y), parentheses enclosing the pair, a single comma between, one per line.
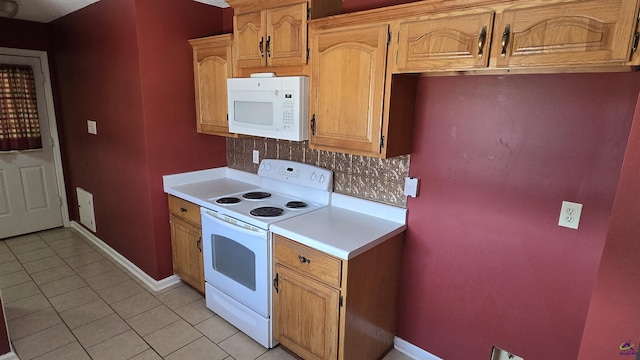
(184,209)
(307,261)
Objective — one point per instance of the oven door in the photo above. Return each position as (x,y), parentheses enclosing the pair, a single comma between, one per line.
(235,259)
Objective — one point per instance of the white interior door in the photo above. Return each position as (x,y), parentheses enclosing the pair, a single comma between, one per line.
(29,181)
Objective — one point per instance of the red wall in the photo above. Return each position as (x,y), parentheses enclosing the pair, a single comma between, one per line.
(22,34)
(168,99)
(485,261)
(128,66)
(614,314)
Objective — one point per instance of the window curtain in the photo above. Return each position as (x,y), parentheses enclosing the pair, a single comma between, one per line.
(19,125)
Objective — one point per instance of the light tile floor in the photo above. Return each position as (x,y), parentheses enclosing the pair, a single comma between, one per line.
(65,299)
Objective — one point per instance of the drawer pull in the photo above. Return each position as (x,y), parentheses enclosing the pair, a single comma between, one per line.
(183,209)
(304,259)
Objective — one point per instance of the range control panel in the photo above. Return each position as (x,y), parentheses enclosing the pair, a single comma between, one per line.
(294,172)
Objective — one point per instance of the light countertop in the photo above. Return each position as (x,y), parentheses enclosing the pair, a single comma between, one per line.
(199,186)
(346,228)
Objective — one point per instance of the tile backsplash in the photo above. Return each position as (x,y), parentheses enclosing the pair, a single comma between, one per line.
(380,180)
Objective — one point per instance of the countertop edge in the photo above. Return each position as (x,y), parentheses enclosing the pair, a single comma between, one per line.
(332,250)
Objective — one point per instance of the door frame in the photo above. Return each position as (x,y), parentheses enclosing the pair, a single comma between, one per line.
(53,124)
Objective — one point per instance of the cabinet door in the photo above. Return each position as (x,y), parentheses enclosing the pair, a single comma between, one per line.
(186,246)
(448,43)
(347,88)
(579,33)
(305,315)
(287,35)
(212,66)
(250,39)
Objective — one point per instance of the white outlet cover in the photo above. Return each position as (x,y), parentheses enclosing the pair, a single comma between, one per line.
(570,215)
(92,127)
(411,186)
(499,354)
(256,156)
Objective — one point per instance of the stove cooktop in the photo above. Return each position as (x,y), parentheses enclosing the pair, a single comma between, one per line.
(288,189)
(261,207)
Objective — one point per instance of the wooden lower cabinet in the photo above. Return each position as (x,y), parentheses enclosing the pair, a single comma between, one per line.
(186,242)
(308,326)
(329,308)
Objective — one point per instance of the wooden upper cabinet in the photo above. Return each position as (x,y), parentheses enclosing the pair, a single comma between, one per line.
(250,33)
(347,88)
(287,35)
(212,65)
(273,37)
(357,106)
(274,33)
(575,33)
(437,43)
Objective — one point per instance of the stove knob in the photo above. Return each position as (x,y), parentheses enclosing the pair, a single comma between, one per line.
(262,166)
(321,180)
(268,167)
(313,176)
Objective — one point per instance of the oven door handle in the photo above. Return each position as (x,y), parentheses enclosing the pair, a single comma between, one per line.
(251,230)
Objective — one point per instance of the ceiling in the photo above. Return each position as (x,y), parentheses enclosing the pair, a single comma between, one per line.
(45,11)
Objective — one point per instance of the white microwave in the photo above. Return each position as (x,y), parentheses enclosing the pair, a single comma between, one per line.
(272,107)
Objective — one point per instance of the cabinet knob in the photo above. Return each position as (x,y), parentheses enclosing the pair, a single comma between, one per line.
(304,259)
(183,209)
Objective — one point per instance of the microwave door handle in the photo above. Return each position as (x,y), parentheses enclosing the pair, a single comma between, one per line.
(256,232)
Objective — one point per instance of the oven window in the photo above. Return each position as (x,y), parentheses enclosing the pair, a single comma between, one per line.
(234,261)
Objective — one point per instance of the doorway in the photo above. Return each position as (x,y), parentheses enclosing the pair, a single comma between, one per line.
(32,195)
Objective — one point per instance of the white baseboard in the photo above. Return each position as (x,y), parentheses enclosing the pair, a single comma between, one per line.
(155,285)
(9,356)
(412,351)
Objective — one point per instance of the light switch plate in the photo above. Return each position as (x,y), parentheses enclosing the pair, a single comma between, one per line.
(256,156)
(570,215)
(92,127)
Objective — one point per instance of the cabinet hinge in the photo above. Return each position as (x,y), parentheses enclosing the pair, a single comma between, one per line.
(227,117)
(381,142)
(308,53)
(309,14)
(389,38)
(634,46)
(340,301)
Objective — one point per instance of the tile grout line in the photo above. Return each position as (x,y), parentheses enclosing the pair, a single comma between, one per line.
(130,277)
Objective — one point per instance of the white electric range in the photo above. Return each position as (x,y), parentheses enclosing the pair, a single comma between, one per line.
(237,243)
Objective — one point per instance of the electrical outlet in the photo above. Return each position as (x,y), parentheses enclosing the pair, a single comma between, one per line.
(499,354)
(570,215)
(256,156)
